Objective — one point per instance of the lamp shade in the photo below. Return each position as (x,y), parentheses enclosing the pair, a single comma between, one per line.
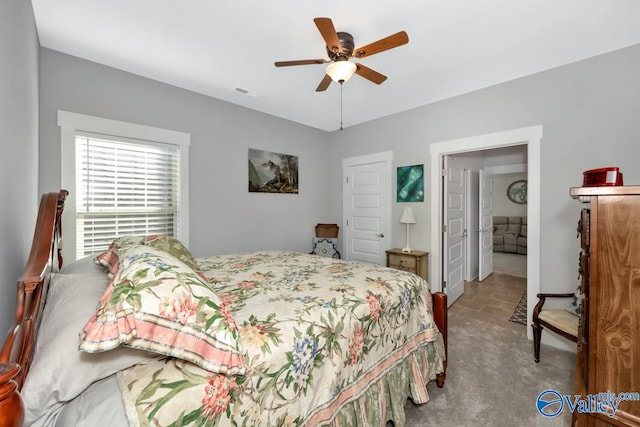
(341,71)
(407,216)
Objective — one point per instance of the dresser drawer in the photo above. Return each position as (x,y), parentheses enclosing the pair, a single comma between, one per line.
(402,262)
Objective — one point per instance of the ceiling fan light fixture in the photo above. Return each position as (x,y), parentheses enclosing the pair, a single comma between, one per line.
(341,71)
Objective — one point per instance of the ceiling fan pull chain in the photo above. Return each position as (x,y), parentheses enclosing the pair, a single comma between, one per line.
(340,105)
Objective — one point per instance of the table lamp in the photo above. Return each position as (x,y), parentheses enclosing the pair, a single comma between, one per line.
(407,218)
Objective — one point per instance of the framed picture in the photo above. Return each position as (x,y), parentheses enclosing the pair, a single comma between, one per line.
(272,172)
(517,191)
(410,183)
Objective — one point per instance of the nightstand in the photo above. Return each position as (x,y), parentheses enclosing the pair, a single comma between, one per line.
(416,262)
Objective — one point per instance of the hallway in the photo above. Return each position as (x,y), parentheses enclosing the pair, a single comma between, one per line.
(491,301)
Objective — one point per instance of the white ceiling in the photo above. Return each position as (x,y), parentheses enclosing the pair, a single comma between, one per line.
(455,46)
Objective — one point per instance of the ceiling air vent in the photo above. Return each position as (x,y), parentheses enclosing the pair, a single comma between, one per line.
(247,92)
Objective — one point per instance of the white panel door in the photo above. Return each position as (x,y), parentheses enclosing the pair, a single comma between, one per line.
(453,237)
(485,214)
(367,203)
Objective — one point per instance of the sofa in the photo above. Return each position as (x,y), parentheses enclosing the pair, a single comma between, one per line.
(510,234)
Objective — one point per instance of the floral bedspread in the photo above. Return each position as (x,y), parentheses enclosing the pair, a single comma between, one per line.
(324,339)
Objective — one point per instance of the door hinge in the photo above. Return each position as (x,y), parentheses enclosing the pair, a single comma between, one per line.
(347,223)
(444,228)
(444,172)
(347,180)
(444,285)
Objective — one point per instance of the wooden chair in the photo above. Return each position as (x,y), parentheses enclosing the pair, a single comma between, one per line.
(557,320)
(326,240)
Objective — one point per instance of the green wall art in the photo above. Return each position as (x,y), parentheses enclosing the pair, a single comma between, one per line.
(411,183)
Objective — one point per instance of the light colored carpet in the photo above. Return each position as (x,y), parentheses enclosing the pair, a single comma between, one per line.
(492,380)
(511,264)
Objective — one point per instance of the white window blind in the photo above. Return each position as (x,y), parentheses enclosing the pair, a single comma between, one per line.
(124,187)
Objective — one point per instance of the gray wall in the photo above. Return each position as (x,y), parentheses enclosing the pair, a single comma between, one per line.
(223,216)
(19,145)
(589,112)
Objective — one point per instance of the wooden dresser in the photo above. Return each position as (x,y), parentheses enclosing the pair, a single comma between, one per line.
(415,261)
(608,356)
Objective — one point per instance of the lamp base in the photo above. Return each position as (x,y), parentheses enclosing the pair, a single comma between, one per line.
(407,248)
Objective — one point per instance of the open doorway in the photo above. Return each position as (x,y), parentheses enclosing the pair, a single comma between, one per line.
(530,137)
(510,220)
(500,168)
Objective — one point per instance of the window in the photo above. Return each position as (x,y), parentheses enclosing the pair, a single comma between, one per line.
(125,179)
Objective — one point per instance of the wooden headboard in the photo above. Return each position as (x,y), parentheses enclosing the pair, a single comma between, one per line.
(17,350)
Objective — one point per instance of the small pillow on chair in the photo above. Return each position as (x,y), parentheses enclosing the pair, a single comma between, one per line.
(326,246)
(576,303)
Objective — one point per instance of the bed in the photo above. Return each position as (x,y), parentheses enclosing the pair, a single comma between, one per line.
(263,338)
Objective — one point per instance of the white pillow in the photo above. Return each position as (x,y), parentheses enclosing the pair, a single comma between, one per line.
(59,371)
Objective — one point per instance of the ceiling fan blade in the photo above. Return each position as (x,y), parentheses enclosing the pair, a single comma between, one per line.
(370,74)
(300,62)
(394,40)
(324,84)
(329,34)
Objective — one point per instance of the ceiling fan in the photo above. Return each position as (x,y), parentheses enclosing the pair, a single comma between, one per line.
(340,49)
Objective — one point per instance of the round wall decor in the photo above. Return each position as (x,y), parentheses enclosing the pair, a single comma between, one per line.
(517,191)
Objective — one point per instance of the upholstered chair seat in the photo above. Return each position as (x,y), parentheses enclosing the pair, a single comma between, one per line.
(563,322)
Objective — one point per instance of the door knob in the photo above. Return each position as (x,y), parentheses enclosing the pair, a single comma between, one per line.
(380,235)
